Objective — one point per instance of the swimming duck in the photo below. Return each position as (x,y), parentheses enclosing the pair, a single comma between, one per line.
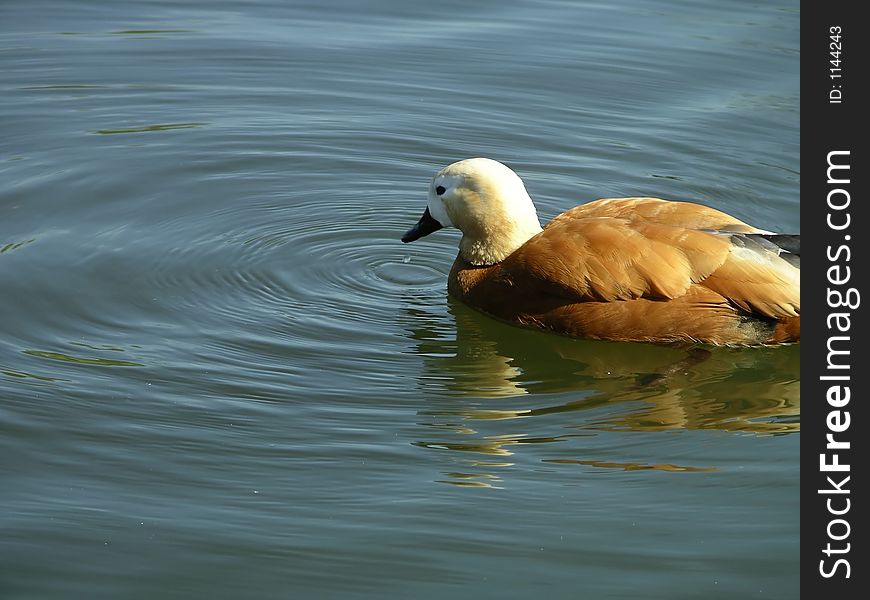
(627,269)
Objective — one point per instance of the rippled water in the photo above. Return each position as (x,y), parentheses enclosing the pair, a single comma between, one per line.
(222,375)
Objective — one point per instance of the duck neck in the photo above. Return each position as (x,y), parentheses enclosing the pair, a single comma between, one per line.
(487,248)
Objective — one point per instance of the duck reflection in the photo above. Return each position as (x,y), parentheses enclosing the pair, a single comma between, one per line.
(482,370)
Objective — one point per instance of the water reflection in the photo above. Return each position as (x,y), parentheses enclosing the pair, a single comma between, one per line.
(479,372)
(9,246)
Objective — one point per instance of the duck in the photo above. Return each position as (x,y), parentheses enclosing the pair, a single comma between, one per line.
(621,269)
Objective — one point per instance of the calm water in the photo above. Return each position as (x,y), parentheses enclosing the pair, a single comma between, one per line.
(223,376)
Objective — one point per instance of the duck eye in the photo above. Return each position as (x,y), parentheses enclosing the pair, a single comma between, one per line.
(440,190)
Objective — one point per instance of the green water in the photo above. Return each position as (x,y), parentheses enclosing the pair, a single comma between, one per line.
(223,376)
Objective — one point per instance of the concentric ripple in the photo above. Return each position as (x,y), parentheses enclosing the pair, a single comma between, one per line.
(287,286)
(274,260)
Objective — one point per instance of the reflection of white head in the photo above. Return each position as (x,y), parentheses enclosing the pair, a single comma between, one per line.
(487,202)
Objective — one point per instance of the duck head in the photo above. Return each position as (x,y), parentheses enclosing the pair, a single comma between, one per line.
(487,202)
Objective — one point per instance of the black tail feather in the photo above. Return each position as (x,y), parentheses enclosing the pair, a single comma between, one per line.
(787,246)
(788,242)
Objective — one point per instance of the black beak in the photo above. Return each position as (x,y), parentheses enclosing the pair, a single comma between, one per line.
(424,226)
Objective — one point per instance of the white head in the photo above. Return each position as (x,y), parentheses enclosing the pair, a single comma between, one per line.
(487,202)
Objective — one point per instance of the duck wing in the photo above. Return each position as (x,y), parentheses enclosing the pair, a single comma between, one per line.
(605,258)
(663,212)
(608,259)
(760,275)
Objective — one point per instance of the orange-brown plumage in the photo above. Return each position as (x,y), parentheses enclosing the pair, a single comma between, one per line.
(640,269)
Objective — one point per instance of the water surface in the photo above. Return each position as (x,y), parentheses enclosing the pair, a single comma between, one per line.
(223,376)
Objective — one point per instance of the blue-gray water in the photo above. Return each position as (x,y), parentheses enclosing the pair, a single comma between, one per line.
(223,376)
